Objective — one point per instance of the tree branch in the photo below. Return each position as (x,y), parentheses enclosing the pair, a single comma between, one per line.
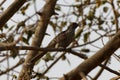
(7,70)
(45,14)
(11,10)
(96,59)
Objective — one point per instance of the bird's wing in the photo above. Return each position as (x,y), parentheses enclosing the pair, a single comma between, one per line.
(57,39)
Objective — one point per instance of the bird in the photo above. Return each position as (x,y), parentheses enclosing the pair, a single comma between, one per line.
(62,40)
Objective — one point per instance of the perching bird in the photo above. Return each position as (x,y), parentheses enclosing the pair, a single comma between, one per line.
(63,39)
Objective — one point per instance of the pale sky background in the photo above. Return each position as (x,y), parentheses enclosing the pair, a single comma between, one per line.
(61,67)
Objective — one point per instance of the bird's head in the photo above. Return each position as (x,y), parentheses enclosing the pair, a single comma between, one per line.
(73,26)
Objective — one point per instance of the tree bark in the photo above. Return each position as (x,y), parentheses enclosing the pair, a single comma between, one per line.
(11,10)
(48,11)
(92,62)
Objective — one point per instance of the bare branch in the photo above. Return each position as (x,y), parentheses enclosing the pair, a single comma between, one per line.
(7,70)
(96,59)
(11,10)
(45,14)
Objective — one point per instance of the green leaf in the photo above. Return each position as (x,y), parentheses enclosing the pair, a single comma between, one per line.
(58,8)
(113,22)
(1,8)
(20,24)
(105,9)
(10,38)
(101,21)
(100,27)
(85,50)
(91,15)
(64,57)
(48,57)
(24,8)
(53,25)
(5,26)
(25,40)
(104,1)
(86,36)
(14,76)
(14,53)
(78,33)
(11,28)
(29,35)
(63,24)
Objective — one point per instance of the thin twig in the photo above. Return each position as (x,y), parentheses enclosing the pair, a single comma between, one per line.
(7,70)
(115,15)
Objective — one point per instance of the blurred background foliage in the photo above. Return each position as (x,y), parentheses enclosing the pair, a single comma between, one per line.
(99,21)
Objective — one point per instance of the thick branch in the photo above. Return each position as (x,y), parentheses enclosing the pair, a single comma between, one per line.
(48,11)
(11,10)
(96,59)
